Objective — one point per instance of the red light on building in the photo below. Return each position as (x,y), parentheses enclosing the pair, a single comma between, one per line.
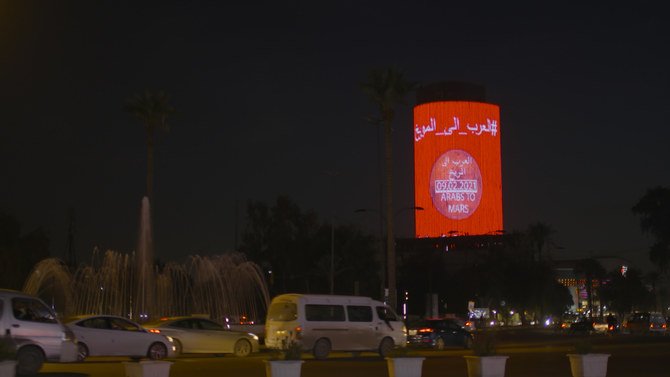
(457,169)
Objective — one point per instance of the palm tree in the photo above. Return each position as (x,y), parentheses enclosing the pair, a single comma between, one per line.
(152,109)
(654,211)
(387,88)
(539,236)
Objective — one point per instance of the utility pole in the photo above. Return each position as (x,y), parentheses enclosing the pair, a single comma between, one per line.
(332,256)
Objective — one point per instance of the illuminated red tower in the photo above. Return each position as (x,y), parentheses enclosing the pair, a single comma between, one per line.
(457,169)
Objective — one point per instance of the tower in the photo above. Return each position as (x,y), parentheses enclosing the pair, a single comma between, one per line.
(457,167)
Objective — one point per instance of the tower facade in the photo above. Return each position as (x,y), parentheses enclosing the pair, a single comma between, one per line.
(457,167)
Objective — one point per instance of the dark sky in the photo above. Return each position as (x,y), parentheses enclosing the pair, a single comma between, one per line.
(269,103)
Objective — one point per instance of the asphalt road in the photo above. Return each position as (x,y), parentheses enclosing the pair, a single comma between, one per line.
(531,353)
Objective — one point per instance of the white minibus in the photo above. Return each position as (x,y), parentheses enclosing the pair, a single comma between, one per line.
(34,330)
(324,323)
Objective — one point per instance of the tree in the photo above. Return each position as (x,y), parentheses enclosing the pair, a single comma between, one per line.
(153,110)
(557,298)
(624,293)
(296,247)
(19,253)
(654,211)
(387,89)
(278,239)
(539,236)
(354,260)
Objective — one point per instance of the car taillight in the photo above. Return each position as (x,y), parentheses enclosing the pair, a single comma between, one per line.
(425,330)
(298,332)
(155,331)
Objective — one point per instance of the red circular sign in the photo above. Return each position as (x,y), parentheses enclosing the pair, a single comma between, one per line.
(456,184)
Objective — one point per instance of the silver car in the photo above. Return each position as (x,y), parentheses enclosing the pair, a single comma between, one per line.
(108,335)
(201,335)
(35,330)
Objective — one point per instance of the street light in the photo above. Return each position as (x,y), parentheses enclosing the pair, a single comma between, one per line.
(386,270)
(332,255)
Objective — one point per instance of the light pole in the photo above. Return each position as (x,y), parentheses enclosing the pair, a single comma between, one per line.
(332,255)
(388,273)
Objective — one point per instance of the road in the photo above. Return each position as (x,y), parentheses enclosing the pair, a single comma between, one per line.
(531,353)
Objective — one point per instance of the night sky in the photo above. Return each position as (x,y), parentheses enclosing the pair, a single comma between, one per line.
(269,103)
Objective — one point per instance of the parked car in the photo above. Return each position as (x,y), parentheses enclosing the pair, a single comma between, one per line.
(645,323)
(438,334)
(201,335)
(35,331)
(107,335)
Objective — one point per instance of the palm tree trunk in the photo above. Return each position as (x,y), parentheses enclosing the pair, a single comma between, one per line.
(589,291)
(382,247)
(390,239)
(150,167)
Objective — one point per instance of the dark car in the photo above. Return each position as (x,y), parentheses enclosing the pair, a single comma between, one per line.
(438,333)
(583,326)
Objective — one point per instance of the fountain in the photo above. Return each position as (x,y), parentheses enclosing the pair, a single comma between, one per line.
(223,286)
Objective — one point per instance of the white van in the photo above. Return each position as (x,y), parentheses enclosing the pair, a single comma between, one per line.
(324,323)
(32,326)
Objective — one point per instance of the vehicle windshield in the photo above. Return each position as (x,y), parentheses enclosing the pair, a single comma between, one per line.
(28,309)
(283,312)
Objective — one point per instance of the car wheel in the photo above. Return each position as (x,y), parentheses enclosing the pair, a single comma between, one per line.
(177,347)
(29,360)
(242,348)
(439,344)
(82,351)
(321,349)
(157,351)
(386,346)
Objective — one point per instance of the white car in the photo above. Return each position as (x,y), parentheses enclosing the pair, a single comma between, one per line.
(201,335)
(106,335)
